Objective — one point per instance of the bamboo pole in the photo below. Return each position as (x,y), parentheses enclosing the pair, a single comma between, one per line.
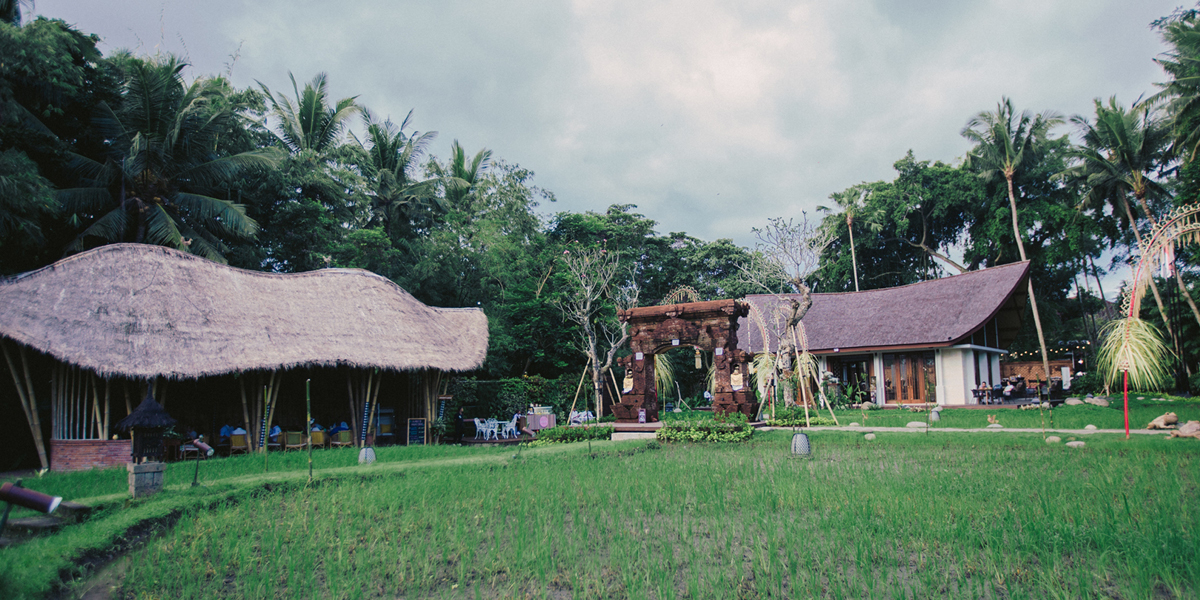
(96,418)
(374,403)
(107,406)
(28,404)
(246,411)
(582,376)
(353,398)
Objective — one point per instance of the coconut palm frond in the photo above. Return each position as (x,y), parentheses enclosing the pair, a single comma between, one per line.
(1134,346)
(664,374)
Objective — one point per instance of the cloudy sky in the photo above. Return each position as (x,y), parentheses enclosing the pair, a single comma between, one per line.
(710,116)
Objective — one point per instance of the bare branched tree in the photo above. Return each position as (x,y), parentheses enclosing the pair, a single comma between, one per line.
(787,254)
(596,293)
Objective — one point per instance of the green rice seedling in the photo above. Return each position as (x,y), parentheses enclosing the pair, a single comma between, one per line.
(947,516)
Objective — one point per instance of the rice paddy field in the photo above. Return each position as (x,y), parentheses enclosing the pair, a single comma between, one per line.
(905,516)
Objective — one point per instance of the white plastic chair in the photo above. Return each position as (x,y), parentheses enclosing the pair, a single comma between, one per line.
(510,427)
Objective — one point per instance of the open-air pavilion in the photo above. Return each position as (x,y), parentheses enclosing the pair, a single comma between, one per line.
(83,339)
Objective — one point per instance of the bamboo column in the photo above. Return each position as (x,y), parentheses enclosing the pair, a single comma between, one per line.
(27,399)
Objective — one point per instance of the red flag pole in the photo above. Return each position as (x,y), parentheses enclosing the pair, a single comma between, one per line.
(1125,384)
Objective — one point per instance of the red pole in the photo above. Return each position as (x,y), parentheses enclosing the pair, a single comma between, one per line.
(1125,384)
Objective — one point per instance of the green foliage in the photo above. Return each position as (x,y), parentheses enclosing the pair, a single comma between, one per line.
(793,416)
(566,435)
(502,398)
(1134,346)
(732,428)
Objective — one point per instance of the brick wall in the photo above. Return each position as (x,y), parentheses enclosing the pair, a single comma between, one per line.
(81,455)
(1032,370)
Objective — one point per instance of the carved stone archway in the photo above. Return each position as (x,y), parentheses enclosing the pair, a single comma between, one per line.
(711,326)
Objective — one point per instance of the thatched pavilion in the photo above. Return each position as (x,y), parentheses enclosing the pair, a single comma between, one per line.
(133,313)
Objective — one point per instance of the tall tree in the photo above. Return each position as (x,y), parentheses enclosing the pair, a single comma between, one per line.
(852,202)
(1004,142)
(158,179)
(1121,153)
(1181,94)
(397,195)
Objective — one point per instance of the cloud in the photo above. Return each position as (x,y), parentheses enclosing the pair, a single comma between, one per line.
(710,116)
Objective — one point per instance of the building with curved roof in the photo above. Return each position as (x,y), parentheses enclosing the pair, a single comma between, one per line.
(933,341)
(143,312)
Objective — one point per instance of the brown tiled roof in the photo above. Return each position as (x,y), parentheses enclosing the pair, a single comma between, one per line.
(941,312)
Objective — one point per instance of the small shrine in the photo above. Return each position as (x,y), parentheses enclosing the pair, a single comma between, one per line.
(146,425)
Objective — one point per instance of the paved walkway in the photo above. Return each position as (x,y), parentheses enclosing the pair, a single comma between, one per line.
(977,430)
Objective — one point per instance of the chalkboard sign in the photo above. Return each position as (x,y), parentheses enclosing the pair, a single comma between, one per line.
(416,432)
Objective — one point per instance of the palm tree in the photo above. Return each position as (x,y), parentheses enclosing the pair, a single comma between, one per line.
(851,201)
(464,175)
(154,183)
(1004,142)
(1181,95)
(393,160)
(1120,152)
(310,123)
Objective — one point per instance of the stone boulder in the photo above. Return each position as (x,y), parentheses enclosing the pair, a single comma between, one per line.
(1075,444)
(1102,402)
(1054,439)
(916,425)
(869,437)
(1090,427)
(1190,429)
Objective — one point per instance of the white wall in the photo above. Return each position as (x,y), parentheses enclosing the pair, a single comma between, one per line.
(958,371)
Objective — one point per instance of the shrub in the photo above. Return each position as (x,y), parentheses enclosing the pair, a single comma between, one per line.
(566,435)
(731,428)
(793,416)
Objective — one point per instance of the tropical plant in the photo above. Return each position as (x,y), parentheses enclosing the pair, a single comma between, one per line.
(158,178)
(310,122)
(852,201)
(1134,346)
(1121,151)
(1181,94)
(1004,143)
(463,175)
(394,156)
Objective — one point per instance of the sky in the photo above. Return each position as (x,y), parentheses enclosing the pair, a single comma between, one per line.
(711,117)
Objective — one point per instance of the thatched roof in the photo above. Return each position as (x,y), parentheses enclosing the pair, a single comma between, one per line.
(139,311)
(930,314)
(148,414)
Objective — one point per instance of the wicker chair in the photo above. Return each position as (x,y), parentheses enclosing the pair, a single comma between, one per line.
(293,440)
(320,439)
(344,437)
(239,442)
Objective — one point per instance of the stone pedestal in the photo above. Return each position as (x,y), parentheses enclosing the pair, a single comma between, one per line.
(145,478)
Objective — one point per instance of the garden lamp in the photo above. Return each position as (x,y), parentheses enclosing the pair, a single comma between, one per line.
(13,493)
(801,445)
(203,450)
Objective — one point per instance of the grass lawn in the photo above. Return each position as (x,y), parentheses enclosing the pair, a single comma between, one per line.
(905,516)
(1141,412)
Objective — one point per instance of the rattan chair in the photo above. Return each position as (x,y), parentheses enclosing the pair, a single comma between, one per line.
(293,440)
(320,439)
(344,437)
(239,442)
